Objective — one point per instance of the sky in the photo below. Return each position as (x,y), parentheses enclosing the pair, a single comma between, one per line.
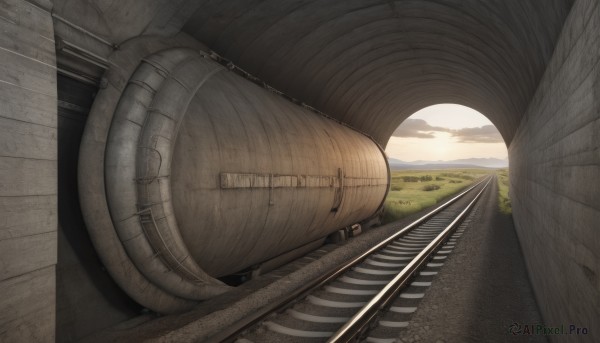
(446,132)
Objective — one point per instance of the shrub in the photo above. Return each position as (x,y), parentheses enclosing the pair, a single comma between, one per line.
(426,178)
(450,174)
(458,176)
(396,188)
(437,178)
(410,179)
(429,188)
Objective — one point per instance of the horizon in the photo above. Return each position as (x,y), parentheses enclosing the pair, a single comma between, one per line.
(446,132)
(469,158)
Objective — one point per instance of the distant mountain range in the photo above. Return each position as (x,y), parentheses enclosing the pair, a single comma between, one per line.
(462,163)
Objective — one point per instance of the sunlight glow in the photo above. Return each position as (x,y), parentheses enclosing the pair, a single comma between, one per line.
(449,132)
(452,116)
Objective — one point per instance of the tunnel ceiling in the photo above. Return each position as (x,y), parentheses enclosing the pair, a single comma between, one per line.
(374,63)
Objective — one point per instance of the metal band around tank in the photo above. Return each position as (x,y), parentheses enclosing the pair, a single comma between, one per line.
(91,178)
(137,168)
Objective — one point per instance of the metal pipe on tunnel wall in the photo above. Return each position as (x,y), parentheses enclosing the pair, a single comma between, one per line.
(207,173)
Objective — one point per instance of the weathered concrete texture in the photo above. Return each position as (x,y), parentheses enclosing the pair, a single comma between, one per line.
(555,184)
(27,173)
(369,63)
(80,277)
(373,63)
(118,21)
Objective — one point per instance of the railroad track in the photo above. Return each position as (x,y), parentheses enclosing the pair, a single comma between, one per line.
(371,297)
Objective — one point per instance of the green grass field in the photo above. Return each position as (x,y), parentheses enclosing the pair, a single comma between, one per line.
(414,190)
(503,199)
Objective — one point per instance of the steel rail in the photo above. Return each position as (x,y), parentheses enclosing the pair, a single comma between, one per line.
(360,321)
(229,334)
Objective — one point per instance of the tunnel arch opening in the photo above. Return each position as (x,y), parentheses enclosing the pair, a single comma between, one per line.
(438,151)
(447,132)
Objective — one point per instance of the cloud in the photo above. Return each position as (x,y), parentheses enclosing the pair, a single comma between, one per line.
(483,134)
(417,128)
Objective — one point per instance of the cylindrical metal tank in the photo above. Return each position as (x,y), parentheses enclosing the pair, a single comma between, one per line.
(206,173)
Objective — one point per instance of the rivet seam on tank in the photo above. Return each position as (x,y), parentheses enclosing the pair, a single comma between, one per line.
(256,180)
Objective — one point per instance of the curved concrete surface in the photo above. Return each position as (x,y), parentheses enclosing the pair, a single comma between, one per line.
(374,63)
(369,63)
(531,66)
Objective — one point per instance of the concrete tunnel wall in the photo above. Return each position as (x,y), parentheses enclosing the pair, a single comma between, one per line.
(368,63)
(28,173)
(555,178)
